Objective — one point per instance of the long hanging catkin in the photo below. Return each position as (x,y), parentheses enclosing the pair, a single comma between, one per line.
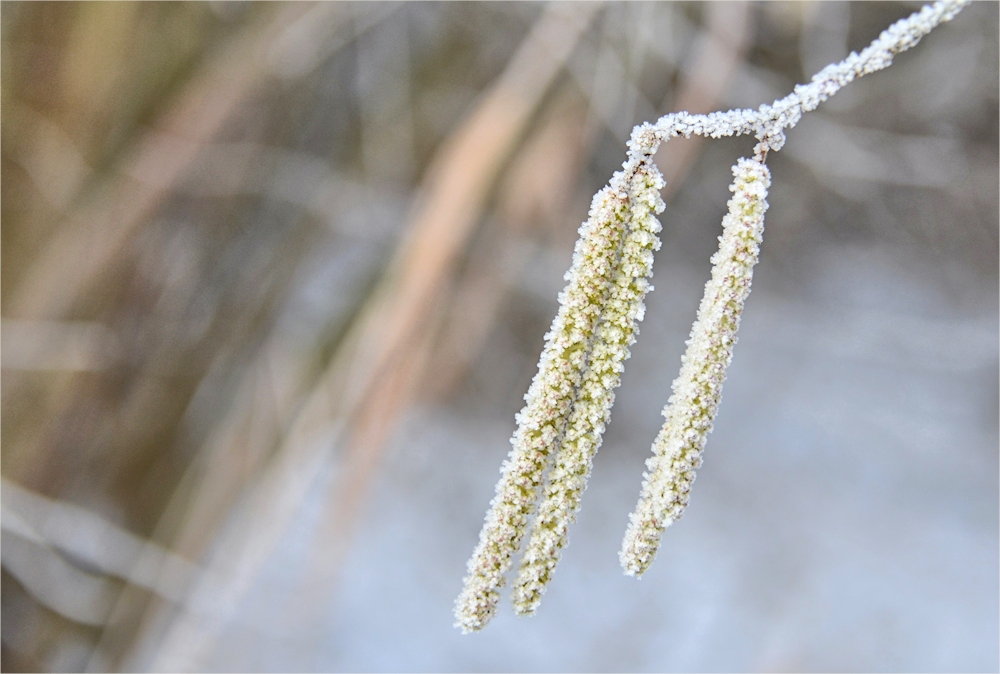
(698,388)
(569,401)
(623,309)
(613,258)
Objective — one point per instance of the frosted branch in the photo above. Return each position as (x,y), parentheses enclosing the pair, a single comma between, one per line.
(569,402)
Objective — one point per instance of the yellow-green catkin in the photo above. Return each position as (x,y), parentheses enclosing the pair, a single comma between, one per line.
(623,309)
(569,401)
(559,386)
(698,388)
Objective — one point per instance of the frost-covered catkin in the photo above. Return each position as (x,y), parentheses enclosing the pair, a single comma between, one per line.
(698,388)
(550,400)
(569,402)
(623,309)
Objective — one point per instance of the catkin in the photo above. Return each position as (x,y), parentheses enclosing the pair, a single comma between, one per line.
(698,388)
(623,309)
(569,402)
(555,393)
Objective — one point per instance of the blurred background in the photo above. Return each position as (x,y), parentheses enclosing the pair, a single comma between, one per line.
(275,278)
